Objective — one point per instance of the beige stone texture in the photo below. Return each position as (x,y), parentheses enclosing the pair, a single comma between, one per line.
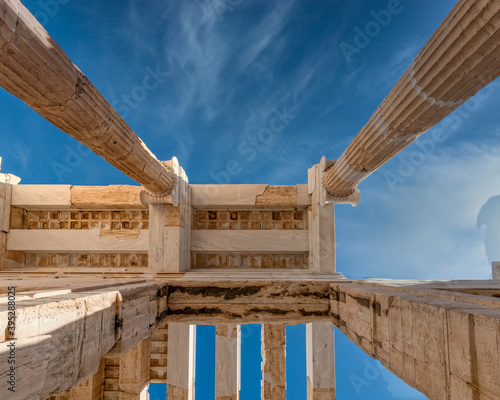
(106,221)
(320,358)
(244,241)
(277,197)
(56,89)
(249,220)
(158,354)
(444,344)
(249,302)
(273,351)
(170,232)
(18,218)
(177,393)
(41,196)
(5,206)
(126,376)
(90,389)
(106,197)
(3,250)
(74,330)
(181,359)
(321,224)
(83,241)
(227,362)
(246,197)
(249,260)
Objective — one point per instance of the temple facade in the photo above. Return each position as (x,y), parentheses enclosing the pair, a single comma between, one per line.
(102,287)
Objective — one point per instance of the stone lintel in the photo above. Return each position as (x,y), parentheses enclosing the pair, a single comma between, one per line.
(158,354)
(247,197)
(42,196)
(46,241)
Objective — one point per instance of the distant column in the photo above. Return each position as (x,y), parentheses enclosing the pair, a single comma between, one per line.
(5,201)
(320,361)
(181,361)
(273,350)
(227,362)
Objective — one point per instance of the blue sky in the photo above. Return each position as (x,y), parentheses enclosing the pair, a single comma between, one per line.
(200,79)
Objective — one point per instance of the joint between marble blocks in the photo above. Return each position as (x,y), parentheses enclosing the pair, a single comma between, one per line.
(170,196)
(325,196)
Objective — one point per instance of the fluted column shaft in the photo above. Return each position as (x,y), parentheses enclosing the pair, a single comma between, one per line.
(460,58)
(37,71)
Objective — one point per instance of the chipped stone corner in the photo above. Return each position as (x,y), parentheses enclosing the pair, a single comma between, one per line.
(277,197)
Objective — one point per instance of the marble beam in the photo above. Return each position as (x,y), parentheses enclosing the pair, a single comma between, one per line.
(57,197)
(227,197)
(444,340)
(248,302)
(60,339)
(460,58)
(39,240)
(248,240)
(37,71)
(5,206)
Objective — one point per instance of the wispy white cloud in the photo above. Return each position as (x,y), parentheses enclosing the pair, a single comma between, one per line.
(264,34)
(427,228)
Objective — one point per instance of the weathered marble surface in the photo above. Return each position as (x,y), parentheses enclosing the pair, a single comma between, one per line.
(56,89)
(181,364)
(321,228)
(273,351)
(227,361)
(271,241)
(79,241)
(443,343)
(457,61)
(42,196)
(70,333)
(320,347)
(495,267)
